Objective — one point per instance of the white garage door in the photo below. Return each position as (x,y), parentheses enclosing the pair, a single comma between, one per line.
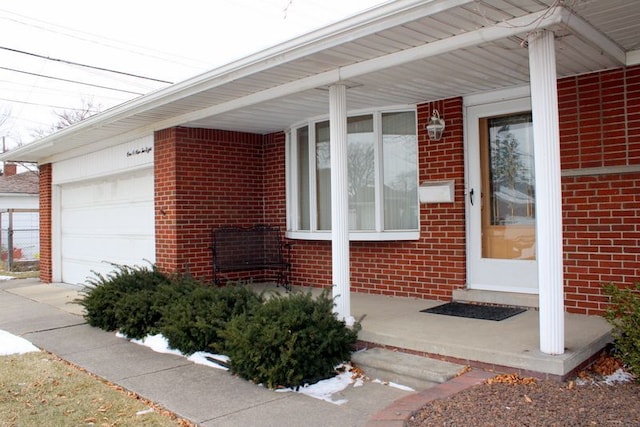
(104,221)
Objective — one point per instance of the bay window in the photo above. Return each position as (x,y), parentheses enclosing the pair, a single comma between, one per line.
(382,177)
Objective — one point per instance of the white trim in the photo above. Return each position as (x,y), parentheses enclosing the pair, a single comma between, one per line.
(56,234)
(290,187)
(633,57)
(500,95)
(356,236)
(313,179)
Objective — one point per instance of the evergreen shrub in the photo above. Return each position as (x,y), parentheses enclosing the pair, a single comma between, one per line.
(140,312)
(288,341)
(192,323)
(624,315)
(103,293)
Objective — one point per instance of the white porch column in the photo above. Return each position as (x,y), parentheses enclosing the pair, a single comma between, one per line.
(339,202)
(546,136)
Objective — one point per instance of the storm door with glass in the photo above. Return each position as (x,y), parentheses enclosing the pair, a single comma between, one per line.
(501,199)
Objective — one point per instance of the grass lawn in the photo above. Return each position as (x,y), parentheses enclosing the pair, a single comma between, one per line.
(39,389)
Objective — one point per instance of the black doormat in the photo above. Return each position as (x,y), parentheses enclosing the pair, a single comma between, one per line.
(474,311)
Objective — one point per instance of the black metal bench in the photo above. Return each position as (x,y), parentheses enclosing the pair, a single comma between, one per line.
(258,250)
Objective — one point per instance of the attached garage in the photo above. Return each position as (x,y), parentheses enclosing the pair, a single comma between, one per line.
(104,218)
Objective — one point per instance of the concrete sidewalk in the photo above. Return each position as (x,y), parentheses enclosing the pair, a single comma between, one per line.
(46,316)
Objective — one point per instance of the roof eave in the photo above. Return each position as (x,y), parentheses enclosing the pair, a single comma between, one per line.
(370,21)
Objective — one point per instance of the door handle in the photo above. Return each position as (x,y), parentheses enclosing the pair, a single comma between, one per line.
(471,196)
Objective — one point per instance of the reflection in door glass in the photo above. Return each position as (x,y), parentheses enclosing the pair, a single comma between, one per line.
(509,218)
(512,179)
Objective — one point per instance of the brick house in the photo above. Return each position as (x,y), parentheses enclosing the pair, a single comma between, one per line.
(326,137)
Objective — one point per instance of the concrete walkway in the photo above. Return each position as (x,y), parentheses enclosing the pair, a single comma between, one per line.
(46,316)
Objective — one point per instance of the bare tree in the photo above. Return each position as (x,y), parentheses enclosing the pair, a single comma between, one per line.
(66,118)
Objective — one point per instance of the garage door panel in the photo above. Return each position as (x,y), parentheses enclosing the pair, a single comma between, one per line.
(104,222)
(99,219)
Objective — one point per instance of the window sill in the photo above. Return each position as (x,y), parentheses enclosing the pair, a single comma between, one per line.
(356,236)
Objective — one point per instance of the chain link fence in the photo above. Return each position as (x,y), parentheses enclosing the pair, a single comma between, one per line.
(20,239)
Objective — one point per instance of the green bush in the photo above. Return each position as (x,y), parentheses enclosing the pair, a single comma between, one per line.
(192,323)
(140,313)
(104,293)
(287,341)
(624,316)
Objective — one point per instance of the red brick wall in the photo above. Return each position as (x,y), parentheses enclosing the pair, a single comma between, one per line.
(600,128)
(207,178)
(46,273)
(601,237)
(203,179)
(430,267)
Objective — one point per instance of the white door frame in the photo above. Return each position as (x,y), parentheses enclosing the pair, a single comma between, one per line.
(519,276)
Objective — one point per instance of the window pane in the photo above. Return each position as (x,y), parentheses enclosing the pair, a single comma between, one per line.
(361,167)
(508,226)
(400,171)
(323,176)
(304,222)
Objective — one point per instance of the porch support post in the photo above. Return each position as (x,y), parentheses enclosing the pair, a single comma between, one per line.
(546,136)
(339,202)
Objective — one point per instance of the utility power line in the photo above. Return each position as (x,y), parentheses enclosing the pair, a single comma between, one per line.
(64,61)
(69,81)
(42,105)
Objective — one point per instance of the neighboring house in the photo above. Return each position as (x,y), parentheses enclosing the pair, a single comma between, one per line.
(19,214)
(325,136)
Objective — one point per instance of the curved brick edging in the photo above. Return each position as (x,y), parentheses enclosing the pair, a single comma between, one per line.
(396,414)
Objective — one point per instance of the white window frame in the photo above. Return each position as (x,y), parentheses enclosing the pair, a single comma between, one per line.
(292,202)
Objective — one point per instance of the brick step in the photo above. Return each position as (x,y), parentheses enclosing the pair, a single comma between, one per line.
(406,369)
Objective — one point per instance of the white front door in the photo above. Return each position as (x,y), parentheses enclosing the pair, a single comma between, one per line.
(501,198)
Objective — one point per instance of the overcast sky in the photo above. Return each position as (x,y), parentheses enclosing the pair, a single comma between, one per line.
(168,41)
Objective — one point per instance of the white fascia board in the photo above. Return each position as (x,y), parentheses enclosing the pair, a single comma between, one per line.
(379,18)
(587,32)
(502,30)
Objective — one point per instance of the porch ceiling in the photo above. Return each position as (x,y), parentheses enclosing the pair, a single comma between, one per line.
(403,52)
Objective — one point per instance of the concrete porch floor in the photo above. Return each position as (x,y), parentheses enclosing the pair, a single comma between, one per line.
(510,345)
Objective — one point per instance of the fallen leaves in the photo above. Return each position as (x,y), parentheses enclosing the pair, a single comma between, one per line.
(606,365)
(511,379)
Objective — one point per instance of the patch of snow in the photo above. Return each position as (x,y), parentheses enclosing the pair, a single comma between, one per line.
(394,385)
(325,389)
(157,343)
(619,376)
(208,359)
(11,344)
(2,278)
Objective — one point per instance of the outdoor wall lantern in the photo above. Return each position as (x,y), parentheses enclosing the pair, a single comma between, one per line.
(435,127)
